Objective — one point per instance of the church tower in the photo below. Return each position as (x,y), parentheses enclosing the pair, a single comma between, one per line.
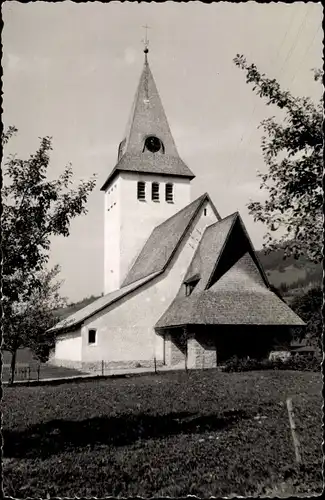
(149,183)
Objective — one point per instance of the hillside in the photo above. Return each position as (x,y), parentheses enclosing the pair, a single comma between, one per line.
(290,274)
(73,307)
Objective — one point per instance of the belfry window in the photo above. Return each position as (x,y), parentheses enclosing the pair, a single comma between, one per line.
(141,191)
(169,193)
(155,191)
(153,144)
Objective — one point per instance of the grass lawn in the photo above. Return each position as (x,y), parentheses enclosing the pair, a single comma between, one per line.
(164,435)
(30,372)
(27,367)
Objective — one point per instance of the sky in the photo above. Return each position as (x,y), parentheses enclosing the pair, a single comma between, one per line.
(70,71)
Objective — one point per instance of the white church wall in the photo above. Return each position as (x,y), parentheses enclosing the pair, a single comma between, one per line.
(68,349)
(139,218)
(125,331)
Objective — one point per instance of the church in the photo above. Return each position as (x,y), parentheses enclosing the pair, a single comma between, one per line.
(180,281)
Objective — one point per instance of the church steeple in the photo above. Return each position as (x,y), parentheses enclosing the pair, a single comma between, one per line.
(149,183)
(148,144)
(148,117)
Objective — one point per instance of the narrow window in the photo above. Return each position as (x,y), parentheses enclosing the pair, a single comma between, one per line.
(191,284)
(92,336)
(205,211)
(155,191)
(189,287)
(141,190)
(169,193)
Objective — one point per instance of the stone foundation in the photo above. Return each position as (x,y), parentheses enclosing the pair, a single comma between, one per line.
(66,363)
(104,366)
(202,352)
(174,350)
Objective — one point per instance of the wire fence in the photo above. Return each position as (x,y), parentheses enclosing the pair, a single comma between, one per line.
(42,371)
(27,372)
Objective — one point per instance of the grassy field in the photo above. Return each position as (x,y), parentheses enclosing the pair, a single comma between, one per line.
(27,367)
(30,372)
(206,433)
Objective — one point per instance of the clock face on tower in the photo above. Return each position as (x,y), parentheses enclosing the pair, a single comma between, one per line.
(153,144)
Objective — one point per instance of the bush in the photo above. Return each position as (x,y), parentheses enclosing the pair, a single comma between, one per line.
(296,362)
(303,363)
(309,308)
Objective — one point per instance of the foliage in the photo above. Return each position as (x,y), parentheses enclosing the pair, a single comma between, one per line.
(158,436)
(32,316)
(293,153)
(295,362)
(309,308)
(33,210)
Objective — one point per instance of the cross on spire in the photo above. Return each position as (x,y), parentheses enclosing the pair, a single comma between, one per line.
(145,40)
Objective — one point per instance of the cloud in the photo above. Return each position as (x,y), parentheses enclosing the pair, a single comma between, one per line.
(16,63)
(130,56)
(13,62)
(236,136)
(250,189)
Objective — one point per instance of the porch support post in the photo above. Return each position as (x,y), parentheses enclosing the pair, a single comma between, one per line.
(185,340)
(167,349)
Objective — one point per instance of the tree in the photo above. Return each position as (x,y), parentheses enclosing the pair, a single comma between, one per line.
(33,210)
(293,153)
(309,308)
(29,318)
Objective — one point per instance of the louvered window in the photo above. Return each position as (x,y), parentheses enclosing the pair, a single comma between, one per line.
(169,193)
(141,190)
(155,191)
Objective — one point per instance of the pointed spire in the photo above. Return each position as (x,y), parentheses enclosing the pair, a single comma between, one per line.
(148,121)
(148,116)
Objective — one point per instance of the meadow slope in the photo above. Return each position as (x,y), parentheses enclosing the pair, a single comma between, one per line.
(173,434)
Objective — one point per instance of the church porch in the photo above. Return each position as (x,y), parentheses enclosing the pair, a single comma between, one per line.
(198,347)
(205,346)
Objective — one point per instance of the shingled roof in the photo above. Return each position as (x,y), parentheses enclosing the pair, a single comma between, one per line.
(148,118)
(232,307)
(150,163)
(232,288)
(164,241)
(243,275)
(209,250)
(152,261)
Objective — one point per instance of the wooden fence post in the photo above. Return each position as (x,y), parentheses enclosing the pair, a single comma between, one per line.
(102,367)
(295,440)
(155,362)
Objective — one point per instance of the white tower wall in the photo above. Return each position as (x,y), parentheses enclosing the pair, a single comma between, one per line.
(129,221)
(112,225)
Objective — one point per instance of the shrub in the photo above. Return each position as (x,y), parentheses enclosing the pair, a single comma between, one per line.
(309,307)
(299,363)
(303,363)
